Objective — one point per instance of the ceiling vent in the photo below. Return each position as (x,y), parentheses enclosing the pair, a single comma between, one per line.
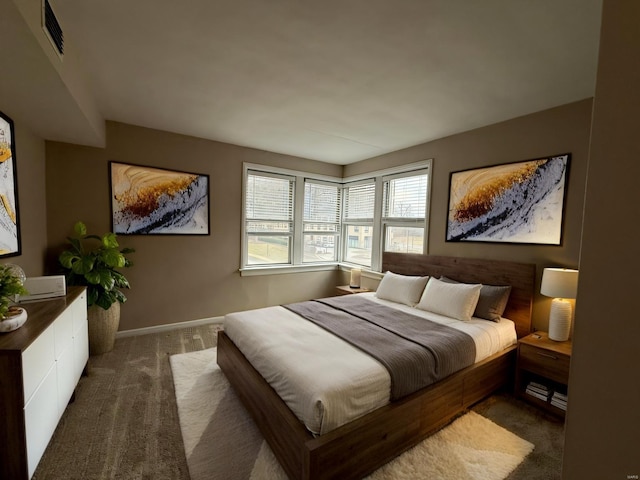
(52,28)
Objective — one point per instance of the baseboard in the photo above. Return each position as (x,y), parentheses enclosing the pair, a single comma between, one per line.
(170,326)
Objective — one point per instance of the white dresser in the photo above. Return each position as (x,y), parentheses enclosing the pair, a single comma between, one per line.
(40,366)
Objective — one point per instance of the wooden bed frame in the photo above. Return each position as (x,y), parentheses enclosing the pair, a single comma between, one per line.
(365,444)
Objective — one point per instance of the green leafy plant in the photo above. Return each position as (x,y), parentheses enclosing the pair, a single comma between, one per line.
(92,261)
(10,285)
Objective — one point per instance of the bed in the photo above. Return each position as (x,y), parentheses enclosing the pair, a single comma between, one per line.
(358,447)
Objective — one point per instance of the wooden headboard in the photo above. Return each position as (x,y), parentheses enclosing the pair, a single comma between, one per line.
(521,277)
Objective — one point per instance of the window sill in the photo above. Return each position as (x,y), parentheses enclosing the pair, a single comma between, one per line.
(284,269)
(287,269)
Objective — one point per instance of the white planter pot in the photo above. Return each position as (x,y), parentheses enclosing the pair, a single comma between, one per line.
(13,322)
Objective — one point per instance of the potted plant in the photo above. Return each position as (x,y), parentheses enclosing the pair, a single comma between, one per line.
(93,261)
(11,279)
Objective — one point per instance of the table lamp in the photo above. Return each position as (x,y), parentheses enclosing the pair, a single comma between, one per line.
(355,278)
(559,283)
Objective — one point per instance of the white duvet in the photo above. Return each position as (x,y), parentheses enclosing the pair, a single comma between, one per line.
(324,380)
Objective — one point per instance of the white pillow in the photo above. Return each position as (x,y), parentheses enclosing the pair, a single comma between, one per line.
(455,300)
(401,288)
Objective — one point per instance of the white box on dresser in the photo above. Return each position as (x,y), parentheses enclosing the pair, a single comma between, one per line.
(40,365)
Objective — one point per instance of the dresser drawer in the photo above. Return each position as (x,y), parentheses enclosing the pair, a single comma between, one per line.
(551,364)
(63,333)
(81,349)
(41,416)
(79,313)
(37,360)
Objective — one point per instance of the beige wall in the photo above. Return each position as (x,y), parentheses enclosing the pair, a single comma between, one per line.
(175,278)
(180,278)
(603,417)
(559,130)
(30,166)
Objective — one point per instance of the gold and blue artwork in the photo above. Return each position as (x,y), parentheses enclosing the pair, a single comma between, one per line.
(520,202)
(156,201)
(9,219)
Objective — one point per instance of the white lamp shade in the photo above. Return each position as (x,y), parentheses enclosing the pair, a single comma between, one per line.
(559,283)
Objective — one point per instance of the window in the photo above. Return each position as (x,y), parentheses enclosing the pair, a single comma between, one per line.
(294,219)
(404,212)
(268,218)
(359,206)
(321,230)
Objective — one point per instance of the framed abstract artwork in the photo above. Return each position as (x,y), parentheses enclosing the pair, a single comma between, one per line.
(10,244)
(156,201)
(521,202)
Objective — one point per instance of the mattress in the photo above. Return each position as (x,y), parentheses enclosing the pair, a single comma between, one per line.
(325,381)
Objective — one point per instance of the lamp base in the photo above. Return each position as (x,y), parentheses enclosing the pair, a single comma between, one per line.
(560,320)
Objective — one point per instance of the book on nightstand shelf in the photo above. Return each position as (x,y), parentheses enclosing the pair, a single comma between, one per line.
(546,394)
(538,390)
(559,400)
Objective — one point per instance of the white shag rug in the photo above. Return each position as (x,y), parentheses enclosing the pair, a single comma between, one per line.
(222,442)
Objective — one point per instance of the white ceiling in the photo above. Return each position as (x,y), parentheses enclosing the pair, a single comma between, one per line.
(333,80)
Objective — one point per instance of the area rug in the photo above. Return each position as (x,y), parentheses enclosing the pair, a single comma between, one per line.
(222,442)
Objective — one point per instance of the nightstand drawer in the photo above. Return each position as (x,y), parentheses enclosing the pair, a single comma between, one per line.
(551,364)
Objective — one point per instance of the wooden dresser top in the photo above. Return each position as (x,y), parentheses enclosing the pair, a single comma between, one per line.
(40,315)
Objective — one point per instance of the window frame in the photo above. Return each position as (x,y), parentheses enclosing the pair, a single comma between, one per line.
(336,234)
(405,222)
(357,222)
(290,233)
(297,245)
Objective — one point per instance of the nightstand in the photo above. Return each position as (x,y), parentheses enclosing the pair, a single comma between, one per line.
(347,290)
(542,372)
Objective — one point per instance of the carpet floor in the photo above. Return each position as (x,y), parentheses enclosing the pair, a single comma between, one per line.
(124,423)
(222,443)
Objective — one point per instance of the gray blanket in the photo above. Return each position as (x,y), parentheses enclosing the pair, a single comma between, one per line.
(416,352)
